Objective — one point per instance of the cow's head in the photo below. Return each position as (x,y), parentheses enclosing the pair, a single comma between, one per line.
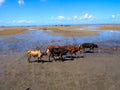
(46,52)
(80,48)
(95,45)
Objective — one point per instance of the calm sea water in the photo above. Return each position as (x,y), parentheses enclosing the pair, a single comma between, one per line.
(42,38)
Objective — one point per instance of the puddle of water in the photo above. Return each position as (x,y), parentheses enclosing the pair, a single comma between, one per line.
(110,38)
(28,40)
(37,38)
(91,27)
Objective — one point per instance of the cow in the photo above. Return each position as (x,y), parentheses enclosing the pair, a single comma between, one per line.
(72,49)
(35,53)
(91,46)
(55,46)
(57,52)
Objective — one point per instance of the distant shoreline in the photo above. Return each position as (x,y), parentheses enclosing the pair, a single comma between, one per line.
(12,31)
(62,30)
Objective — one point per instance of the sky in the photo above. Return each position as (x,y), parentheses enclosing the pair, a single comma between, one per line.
(58,12)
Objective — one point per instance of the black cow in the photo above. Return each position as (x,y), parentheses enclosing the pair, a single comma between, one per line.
(57,52)
(91,46)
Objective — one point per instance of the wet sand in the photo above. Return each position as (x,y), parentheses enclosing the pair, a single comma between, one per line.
(12,31)
(69,30)
(61,30)
(94,71)
(109,27)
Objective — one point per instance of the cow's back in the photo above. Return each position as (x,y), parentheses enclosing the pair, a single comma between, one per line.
(52,46)
(73,48)
(58,51)
(56,46)
(87,45)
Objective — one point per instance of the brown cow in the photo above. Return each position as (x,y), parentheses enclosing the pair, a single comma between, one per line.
(55,46)
(91,46)
(57,52)
(72,49)
(35,53)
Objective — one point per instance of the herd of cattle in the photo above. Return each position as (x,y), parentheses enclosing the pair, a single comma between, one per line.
(60,51)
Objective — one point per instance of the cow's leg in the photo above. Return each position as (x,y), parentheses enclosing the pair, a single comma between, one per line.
(75,55)
(50,56)
(38,59)
(53,57)
(29,57)
(61,57)
(92,49)
(40,56)
(41,59)
(83,49)
(81,52)
(71,54)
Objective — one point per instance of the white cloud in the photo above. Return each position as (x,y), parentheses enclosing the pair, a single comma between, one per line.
(1,2)
(21,21)
(21,2)
(83,17)
(60,17)
(75,17)
(87,16)
(115,16)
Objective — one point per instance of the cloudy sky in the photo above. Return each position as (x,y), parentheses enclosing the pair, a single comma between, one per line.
(53,12)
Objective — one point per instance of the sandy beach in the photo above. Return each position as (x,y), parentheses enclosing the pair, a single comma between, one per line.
(60,30)
(12,31)
(77,40)
(92,71)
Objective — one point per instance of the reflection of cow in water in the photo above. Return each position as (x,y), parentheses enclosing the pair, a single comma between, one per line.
(91,46)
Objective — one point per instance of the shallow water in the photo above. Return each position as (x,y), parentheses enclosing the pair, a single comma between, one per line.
(90,27)
(42,38)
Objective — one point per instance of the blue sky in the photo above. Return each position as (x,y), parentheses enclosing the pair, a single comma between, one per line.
(53,12)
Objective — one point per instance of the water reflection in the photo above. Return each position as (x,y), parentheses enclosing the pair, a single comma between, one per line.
(37,38)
